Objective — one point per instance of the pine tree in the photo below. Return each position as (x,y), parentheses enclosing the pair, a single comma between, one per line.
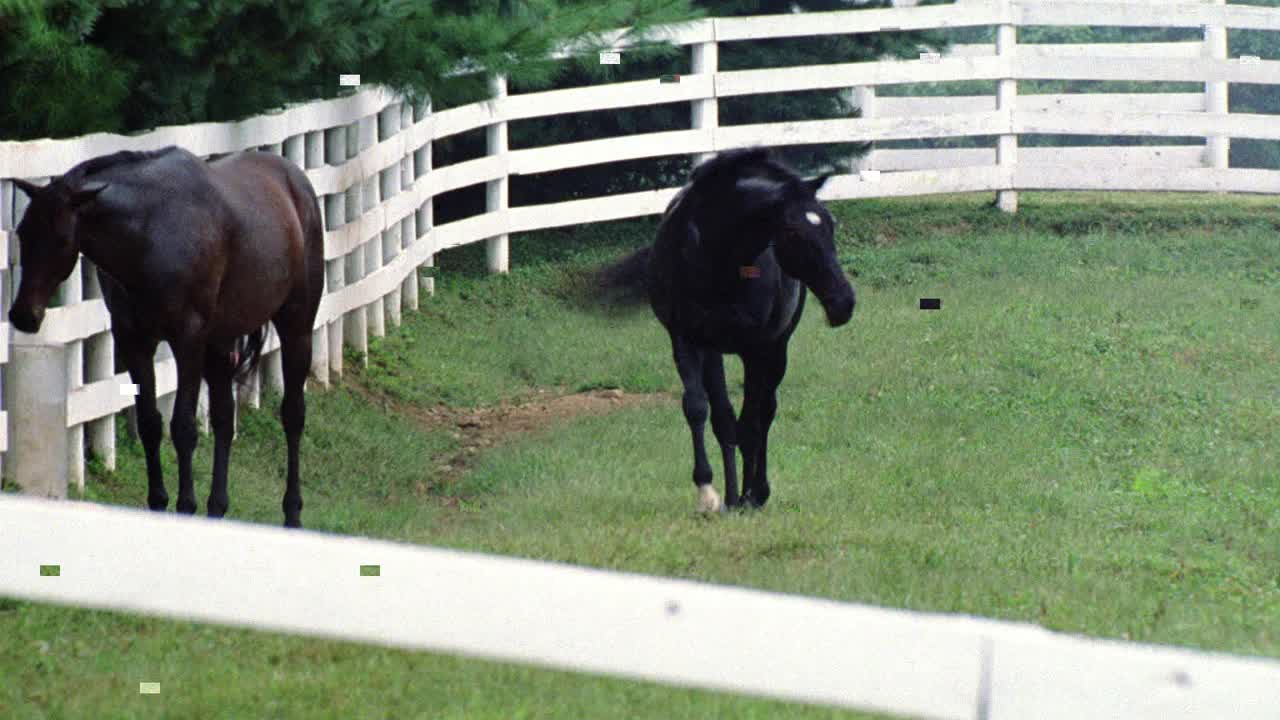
(69,67)
(52,82)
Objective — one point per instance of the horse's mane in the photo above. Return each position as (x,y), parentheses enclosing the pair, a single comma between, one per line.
(79,173)
(732,165)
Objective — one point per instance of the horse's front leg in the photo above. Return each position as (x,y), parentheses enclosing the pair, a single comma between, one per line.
(723,423)
(139,357)
(689,363)
(189,355)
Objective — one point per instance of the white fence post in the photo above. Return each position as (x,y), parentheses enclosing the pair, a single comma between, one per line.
(392,180)
(373,197)
(164,401)
(99,364)
(497,248)
(72,292)
(863,97)
(312,149)
(1006,99)
(248,394)
(706,111)
(424,218)
(272,368)
(36,399)
(1217,147)
(7,191)
(335,215)
(408,226)
(356,332)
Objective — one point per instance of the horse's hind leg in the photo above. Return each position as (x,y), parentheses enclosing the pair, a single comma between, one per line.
(139,357)
(723,423)
(689,363)
(218,373)
(295,352)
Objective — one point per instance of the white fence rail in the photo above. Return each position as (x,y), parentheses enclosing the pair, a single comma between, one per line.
(670,631)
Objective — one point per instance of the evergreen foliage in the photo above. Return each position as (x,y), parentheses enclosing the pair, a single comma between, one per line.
(69,67)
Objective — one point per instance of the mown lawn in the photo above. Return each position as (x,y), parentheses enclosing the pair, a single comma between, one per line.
(1084,436)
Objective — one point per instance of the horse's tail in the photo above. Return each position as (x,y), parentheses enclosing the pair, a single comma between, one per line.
(626,280)
(249,354)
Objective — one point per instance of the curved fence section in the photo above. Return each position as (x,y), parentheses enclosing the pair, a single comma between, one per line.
(369,157)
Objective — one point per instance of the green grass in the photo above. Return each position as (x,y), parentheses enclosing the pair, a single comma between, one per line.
(1083,437)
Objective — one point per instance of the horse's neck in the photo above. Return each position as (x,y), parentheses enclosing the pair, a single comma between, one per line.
(710,264)
(113,248)
(734,259)
(713,273)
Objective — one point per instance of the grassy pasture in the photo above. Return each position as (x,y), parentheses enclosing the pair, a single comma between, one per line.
(1084,436)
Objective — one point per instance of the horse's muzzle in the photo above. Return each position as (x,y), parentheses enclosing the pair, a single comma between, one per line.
(26,319)
(838,306)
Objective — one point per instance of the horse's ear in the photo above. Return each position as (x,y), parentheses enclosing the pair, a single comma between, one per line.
(758,194)
(28,188)
(815,184)
(86,194)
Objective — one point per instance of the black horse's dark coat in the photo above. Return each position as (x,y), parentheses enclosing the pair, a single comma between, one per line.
(727,273)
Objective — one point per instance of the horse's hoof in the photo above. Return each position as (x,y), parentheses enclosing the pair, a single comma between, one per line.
(708,499)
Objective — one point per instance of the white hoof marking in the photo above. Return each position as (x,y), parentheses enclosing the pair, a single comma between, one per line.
(708,499)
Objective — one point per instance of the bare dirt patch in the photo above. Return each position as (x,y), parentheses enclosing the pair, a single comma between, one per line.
(478,429)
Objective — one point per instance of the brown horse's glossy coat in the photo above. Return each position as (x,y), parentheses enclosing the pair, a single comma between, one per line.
(199,255)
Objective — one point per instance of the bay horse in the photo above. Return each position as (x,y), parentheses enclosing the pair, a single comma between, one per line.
(202,256)
(735,251)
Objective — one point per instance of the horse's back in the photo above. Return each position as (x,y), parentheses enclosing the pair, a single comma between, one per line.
(276,243)
(258,182)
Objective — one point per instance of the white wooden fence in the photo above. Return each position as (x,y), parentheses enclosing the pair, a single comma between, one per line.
(369,156)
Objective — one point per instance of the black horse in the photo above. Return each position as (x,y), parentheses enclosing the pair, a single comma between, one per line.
(201,255)
(727,274)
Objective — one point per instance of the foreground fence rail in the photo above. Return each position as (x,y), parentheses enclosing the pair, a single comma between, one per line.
(670,631)
(370,158)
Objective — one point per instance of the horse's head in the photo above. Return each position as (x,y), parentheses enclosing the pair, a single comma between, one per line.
(47,245)
(788,215)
